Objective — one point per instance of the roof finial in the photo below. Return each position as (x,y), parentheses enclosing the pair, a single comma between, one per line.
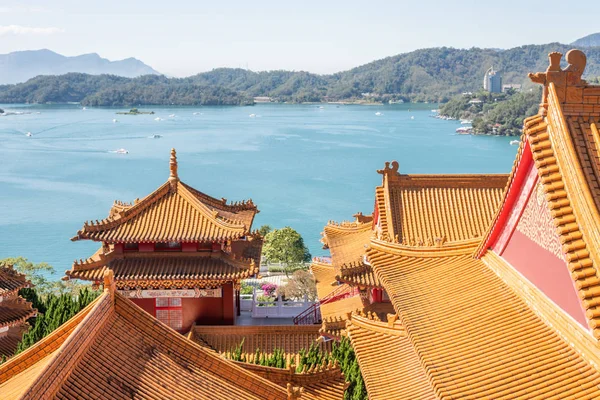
(173,165)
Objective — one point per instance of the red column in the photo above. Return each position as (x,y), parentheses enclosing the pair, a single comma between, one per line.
(228,304)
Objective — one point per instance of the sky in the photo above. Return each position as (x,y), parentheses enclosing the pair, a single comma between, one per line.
(182,38)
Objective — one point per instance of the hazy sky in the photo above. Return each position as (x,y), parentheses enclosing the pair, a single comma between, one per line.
(181,38)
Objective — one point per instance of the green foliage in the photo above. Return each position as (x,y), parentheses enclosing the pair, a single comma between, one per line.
(434,75)
(38,275)
(53,311)
(109,90)
(344,353)
(313,356)
(286,246)
(500,114)
(236,353)
(267,301)
(264,229)
(246,289)
(274,269)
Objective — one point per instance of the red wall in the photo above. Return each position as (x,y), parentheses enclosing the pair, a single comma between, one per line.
(202,311)
(546,271)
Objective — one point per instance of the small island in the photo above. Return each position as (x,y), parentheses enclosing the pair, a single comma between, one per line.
(135,111)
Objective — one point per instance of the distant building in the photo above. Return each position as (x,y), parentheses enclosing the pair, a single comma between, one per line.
(492,82)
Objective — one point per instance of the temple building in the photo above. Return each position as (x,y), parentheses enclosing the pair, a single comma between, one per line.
(112,349)
(177,253)
(14,310)
(494,285)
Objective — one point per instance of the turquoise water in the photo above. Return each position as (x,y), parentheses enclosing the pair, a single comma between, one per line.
(301,164)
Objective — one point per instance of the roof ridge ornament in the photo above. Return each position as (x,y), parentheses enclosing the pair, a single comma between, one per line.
(173,177)
(389,170)
(567,82)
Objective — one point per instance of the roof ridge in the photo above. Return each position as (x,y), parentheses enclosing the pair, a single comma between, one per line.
(242,205)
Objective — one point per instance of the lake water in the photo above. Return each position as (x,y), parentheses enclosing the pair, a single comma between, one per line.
(301,164)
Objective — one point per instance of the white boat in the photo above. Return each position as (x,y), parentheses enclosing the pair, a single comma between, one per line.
(155,136)
(29,134)
(172,116)
(514,142)
(378,114)
(252,115)
(115,121)
(121,151)
(435,111)
(321,107)
(158,119)
(412,117)
(197,113)
(83,109)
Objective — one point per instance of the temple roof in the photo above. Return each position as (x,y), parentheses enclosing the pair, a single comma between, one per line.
(475,336)
(174,212)
(11,280)
(428,209)
(347,240)
(320,383)
(289,338)
(384,350)
(15,311)
(113,349)
(165,266)
(358,274)
(563,141)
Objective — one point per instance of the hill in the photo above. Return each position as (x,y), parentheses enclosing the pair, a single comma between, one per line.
(23,65)
(592,40)
(433,75)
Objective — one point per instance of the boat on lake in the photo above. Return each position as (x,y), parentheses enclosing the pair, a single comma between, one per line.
(464,130)
(514,142)
(120,151)
(155,136)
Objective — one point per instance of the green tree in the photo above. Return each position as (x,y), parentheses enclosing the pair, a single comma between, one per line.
(39,275)
(287,247)
(264,230)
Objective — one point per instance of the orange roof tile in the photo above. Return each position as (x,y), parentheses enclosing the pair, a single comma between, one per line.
(289,338)
(388,361)
(564,142)
(322,383)
(347,241)
(11,280)
(428,209)
(173,213)
(14,311)
(166,266)
(358,274)
(475,338)
(9,340)
(119,351)
(324,278)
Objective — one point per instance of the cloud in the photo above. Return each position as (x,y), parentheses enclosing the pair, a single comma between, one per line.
(27,30)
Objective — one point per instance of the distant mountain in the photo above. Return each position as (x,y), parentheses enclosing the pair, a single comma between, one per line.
(592,40)
(433,75)
(23,65)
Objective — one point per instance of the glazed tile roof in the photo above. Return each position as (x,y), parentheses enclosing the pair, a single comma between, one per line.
(358,274)
(347,241)
(289,338)
(14,311)
(322,383)
(428,209)
(388,362)
(166,266)
(324,278)
(116,350)
(10,339)
(474,337)
(564,140)
(173,213)
(11,281)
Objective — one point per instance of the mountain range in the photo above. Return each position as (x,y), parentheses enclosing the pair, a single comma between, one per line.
(592,40)
(434,75)
(20,66)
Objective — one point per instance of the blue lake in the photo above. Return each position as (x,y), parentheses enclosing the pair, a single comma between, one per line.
(301,164)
